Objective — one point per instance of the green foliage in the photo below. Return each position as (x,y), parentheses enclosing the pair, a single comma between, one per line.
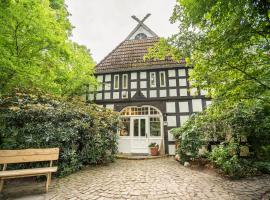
(35,50)
(85,134)
(263,166)
(227,124)
(227,43)
(189,139)
(153,144)
(226,159)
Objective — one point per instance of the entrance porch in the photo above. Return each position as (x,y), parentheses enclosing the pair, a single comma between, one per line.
(141,126)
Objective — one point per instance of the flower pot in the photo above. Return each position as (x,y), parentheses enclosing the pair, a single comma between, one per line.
(154,151)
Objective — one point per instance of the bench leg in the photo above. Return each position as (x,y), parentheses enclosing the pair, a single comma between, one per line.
(48,182)
(1,184)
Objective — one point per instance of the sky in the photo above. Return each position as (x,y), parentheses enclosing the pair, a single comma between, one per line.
(102,24)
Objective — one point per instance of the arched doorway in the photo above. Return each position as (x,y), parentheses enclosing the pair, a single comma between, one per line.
(141,126)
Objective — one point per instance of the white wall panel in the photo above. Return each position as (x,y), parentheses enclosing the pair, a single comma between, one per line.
(173,92)
(183,119)
(170,136)
(171,73)
(171,121)
(170,107)
(143,84)
(108,77)
(144,92)
(183,106)
(99,96)
(171,149)
(182,82)
(133,85)
(107,95)
(133,75)
(183,92)
(153,93)
(197,105)
(181,72)
(100,78)
(142,75)
(172,82)
(162,93)
(116,95)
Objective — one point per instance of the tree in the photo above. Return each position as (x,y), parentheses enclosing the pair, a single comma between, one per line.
(227,43)
(35,50)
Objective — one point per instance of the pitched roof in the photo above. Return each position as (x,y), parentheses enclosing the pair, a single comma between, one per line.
(129,55)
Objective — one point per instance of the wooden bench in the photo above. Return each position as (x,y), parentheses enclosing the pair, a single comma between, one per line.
(27,155)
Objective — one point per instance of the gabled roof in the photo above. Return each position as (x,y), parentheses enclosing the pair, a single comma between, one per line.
(129,55)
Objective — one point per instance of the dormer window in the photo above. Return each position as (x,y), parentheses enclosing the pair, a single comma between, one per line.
(140,36)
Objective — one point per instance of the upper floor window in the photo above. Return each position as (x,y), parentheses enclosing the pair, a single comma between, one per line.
(152,79)
(162,79)
(116,82)
(125,81)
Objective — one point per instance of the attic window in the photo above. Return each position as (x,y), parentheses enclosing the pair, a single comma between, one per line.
(140,36)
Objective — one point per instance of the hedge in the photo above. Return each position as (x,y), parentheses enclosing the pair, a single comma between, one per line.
(85,134)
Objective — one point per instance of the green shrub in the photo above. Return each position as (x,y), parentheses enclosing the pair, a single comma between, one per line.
(227,160)
(189,140)
(263,167)
(85,134)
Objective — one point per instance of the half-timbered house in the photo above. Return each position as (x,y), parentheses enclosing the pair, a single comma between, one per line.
(151,96)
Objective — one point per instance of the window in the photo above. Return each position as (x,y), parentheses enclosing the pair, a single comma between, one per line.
(144,110)
(152,79)
(116,82)
(125,81)
(162,79)
(155,126)
(125,131)
(140,36)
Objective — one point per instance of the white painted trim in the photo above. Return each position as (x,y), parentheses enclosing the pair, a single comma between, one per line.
(149,137)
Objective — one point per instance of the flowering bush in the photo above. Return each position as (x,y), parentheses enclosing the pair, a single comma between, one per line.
(85,134)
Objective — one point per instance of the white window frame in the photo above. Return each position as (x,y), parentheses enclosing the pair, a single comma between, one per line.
(114,81)
(160,80)
(155,79)
(123,81)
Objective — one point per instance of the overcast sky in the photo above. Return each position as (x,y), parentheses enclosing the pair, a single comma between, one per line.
(102,24)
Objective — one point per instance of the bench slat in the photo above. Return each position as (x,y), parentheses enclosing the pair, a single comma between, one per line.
(28,155)
(27,172)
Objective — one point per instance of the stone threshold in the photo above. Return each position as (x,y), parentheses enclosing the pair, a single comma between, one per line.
(139,156)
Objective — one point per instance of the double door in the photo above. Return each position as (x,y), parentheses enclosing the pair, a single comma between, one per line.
(140,133)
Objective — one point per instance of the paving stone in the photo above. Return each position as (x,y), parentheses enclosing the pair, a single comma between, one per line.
(161,178)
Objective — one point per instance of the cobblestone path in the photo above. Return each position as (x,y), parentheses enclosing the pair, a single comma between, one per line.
(153,179)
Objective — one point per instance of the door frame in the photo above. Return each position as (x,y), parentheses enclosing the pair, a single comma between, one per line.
(130,139)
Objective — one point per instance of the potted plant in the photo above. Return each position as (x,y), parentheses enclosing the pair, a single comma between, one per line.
(153,149)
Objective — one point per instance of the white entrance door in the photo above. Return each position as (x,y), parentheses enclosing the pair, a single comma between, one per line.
(139,130)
